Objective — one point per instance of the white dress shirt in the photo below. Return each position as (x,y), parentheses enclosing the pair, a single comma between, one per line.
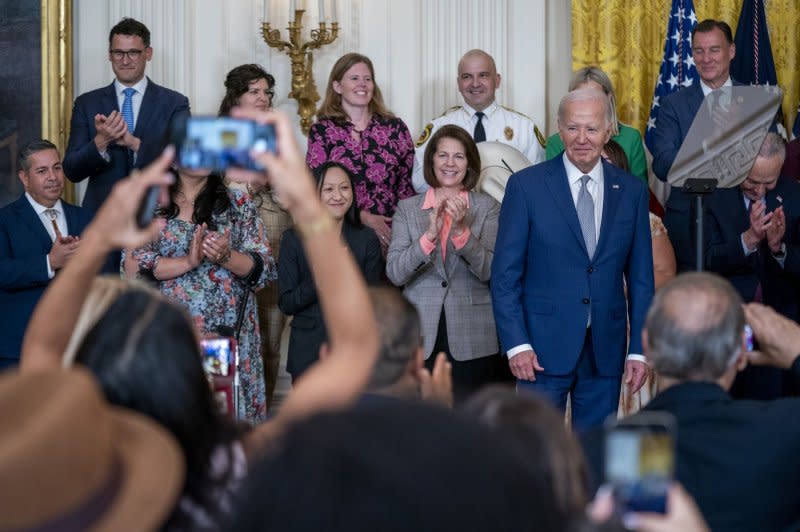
(61,221)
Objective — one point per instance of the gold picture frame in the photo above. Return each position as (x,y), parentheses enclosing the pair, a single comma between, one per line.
(57,76)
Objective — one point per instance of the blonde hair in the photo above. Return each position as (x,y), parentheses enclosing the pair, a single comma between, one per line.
(104,291)
(596,74)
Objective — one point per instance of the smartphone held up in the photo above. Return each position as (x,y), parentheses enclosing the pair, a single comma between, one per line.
(218,143)
(640,461)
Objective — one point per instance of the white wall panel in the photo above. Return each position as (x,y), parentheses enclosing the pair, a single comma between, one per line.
(415,45)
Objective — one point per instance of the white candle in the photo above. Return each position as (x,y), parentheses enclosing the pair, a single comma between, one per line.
(292,9)
(334,16)
(321,10)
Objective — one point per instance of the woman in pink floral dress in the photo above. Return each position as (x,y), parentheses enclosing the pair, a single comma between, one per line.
(211,255)
(356,129)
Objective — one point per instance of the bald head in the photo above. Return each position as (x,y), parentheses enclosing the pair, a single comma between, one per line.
(694,328)
(478,79)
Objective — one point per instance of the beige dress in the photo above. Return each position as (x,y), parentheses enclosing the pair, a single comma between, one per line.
(631,403)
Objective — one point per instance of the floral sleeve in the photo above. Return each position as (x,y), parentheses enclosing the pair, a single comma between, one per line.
(248,235)
(316,154)
(405,161)
(147,255)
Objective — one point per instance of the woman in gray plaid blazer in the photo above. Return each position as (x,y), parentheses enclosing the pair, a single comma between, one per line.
(441,254)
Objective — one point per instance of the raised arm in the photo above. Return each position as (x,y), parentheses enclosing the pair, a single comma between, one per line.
(114,227)
(352,334)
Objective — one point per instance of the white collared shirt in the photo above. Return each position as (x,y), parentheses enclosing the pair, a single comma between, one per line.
(594,186)
(61,221)
(136,100)
(499,123)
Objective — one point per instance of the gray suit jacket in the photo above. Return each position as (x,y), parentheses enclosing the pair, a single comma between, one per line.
(460,283)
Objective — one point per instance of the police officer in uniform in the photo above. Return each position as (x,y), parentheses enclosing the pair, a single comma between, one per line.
(482,116)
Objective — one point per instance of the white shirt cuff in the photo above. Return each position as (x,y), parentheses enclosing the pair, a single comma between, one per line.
(104,154)
(637,357)
(747,250)
(50,272)
(518,349)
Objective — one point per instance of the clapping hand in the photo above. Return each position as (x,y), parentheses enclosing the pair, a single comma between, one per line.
(776,230)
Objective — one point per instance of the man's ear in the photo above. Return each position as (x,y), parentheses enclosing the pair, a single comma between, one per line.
(497,80)
(417,361)
(23,177)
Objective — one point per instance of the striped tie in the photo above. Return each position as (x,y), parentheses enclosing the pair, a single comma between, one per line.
(127,108)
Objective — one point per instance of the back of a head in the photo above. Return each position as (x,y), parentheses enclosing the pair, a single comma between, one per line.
(694,328)
(400,335)
(146,356)
(393,466)
(538,429)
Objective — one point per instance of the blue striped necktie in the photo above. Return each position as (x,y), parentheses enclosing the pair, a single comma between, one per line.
(127,108)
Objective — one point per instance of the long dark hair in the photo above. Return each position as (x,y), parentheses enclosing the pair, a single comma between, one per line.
(212,199)
(145,355)
(353,215)
(238,81)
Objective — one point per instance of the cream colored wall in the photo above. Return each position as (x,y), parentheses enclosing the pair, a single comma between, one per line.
(415,45)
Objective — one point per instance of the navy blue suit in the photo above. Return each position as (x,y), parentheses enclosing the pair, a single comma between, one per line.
(544,282)
(160,106)
(24,244)
(726,218)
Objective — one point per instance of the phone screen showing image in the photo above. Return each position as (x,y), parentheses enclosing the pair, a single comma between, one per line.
(640,461)
(217,143)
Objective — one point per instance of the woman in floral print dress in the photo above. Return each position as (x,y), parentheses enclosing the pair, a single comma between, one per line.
(212,253)
(356,129)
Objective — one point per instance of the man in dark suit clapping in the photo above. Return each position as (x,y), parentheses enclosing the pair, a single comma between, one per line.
(121,126)
(35,242)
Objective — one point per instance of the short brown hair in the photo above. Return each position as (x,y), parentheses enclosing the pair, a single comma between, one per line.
(332,104)
(470,150)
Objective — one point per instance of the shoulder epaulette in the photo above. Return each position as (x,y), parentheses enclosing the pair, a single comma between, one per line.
(426,134)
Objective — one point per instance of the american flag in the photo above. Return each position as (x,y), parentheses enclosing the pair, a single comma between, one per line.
(677,67)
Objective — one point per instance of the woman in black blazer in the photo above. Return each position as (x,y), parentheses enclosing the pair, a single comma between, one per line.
(297,295)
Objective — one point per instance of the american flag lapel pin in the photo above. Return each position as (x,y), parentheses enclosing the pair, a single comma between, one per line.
(780,199)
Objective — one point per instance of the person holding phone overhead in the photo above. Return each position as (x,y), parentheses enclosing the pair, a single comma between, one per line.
(211,254)
(355,128)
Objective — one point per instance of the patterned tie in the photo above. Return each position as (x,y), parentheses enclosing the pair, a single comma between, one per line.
(479,134)
(585,208)
(53,215)
(127,108)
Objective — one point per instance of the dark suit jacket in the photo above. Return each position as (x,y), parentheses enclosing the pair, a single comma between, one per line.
(297,293)
(738,458)
(160,106)
(543,281)
(726,219)
(24,244)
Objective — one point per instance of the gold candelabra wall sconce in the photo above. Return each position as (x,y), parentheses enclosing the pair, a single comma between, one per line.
(304,88)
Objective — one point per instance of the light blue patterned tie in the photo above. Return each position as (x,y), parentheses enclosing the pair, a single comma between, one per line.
(585,208)
(127,108)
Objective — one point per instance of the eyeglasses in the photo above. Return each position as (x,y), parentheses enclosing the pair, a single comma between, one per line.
(133,55)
